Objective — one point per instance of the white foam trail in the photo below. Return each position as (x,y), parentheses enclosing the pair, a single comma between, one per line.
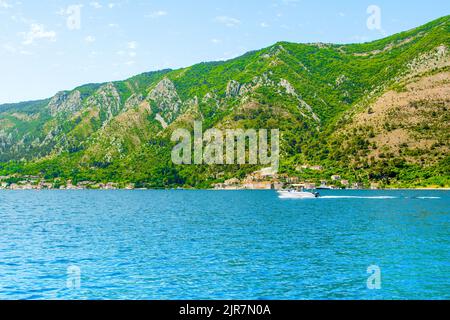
(428,197)
(357,197)
(361,197)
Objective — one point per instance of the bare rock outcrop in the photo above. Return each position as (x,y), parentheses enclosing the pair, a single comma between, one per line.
(65,102)
(106,99)
(164,95)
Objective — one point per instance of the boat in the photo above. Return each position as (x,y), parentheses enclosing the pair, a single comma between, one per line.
(295,194)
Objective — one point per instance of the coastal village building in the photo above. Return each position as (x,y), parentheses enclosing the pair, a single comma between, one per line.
(358,185)
(264,179)
(292,180)
(263,185)
(374,186)
(345,183)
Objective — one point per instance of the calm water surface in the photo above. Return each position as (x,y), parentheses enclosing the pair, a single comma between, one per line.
(224,245)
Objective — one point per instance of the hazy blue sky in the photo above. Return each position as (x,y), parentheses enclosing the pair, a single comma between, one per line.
(45,48)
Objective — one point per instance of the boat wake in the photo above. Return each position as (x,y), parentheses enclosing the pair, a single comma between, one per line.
(376,197)
(358,197)
(308,195)
(428,198)
(338,197)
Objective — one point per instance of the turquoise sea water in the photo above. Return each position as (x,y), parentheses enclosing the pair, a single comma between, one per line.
(223,245)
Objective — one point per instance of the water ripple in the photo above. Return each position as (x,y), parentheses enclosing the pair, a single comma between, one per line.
(223,245)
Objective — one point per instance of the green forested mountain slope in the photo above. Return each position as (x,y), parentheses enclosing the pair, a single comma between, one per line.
(372,112)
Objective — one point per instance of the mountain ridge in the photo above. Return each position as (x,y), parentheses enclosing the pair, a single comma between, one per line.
(98,84)
(98,131)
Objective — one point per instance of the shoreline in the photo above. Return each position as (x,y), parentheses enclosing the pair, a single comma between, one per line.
(212,189)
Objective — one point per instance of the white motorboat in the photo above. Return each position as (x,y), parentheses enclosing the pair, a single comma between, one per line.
(294,194)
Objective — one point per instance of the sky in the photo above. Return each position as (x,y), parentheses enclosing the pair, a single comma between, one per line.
(49,46)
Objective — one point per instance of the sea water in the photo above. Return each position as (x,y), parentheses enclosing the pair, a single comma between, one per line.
(224,245)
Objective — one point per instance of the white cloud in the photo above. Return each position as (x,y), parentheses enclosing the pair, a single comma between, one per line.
(157,14)
(9,48)
(113,25)
(69,10)
(264,25)
(129,51)
(111,5)
(38,32)
(228,21)
(4,4)
(216,41)
(61,12)
(132,45)
(290,2)
(96,5)
(13,50)
(89,39)
(25,52)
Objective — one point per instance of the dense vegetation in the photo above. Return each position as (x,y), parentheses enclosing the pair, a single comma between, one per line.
(311,92)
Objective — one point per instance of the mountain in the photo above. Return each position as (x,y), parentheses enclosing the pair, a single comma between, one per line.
(372,113)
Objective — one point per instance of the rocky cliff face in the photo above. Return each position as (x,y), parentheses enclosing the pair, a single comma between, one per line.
(342,106)
(107,100)
(65,102)
(165,97)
